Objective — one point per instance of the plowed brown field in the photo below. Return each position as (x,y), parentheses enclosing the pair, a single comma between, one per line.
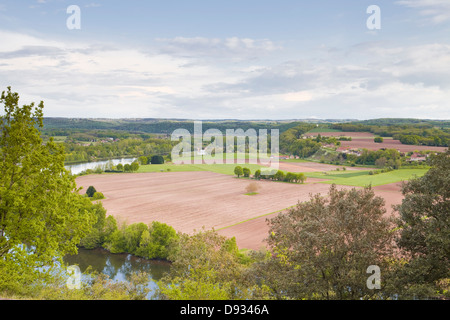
(189,201)
(364,140)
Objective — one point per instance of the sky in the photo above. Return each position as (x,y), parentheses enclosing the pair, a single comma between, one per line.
(215,59)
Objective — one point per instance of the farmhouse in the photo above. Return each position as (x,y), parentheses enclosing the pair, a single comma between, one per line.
(415,157)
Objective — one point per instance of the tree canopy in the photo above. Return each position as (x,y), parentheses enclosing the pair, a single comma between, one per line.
(42,215)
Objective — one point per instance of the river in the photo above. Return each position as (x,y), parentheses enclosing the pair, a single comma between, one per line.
(119,266)
(80,167)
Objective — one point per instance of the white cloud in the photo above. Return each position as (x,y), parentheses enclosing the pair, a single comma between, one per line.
(198,78)
(233,48)
(437,11)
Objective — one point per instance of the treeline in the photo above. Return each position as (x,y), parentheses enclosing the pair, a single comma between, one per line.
(382,158)
(133,147)
(162,126)
(154,241)
(291,142)
(276,175)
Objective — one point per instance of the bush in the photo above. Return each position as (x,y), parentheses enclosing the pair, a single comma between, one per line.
(378,140)
(258,174)
(246,172)
(98,196)
(252,187)
(157,160)
(90,191)
(134,166)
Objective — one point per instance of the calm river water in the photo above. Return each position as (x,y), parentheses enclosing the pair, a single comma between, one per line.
(79,167)
(118,266)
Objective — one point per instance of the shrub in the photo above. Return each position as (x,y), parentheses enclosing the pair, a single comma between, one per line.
(134,166)
(252,187)
(378,140)
(246,172)
(258,174)
(157,159)
(90,191)
(98,196)
(279,176)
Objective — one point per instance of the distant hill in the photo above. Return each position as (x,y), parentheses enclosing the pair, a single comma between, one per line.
(167,126)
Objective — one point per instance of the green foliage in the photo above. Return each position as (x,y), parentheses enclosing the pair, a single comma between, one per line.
(238,171)
(246,172)
(134,166)
(119,167)
(151,242)
(91,191)
(378,140)
(157,241)
(157,159)
(257,174)
(98,196)
(208,266)
(42,215)
(279,175)
(424,226)
(143,160)
(328,242)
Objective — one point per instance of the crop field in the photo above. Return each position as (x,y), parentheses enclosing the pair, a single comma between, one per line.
(189,201)
(364,140)
(189,197)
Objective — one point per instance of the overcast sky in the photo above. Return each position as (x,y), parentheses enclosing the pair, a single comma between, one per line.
(214,59)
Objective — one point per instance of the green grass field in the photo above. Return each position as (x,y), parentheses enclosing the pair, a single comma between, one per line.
(363,178)
(218,168)
(348,178)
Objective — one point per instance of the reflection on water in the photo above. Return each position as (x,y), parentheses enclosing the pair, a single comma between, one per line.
(80,167)
(118,266)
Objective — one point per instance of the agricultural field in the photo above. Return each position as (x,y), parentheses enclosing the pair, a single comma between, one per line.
(364,140)
(189,197)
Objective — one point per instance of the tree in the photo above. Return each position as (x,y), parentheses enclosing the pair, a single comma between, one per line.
(134,166)
(143,160)
(42,215)
(424,225)
(290,177)
(300,177)
(279,176)
(323,247)
(246,172)
(378,140)
(119,167)
(127,167)
(157,159)
(90,191)
(238,171)
(157,241)
(209,266)
(381,162)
